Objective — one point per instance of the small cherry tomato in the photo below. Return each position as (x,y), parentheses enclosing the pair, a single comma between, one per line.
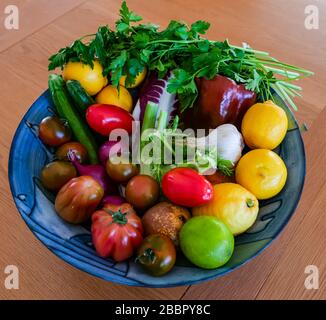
(90,78)
(116,231)
(54,132)
(104,118)
(219,177)
(142,191)
(138,80)
(156,254)
(186,187)
(78,199)
(56,174)
(121,172)
(77,148)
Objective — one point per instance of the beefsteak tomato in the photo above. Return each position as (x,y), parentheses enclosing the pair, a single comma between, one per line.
(116,231)
(78,199)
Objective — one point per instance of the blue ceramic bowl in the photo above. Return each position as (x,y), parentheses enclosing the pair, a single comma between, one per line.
(73,243)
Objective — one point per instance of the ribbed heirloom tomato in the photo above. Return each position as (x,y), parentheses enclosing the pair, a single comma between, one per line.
(186,187)
(116,231)
(78,199)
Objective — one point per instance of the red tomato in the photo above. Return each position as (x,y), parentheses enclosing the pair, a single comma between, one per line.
(186,187)
(116,231)
(219,177)
(104,118)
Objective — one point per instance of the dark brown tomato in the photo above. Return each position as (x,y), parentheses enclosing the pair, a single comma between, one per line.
(142,191)
(76,147)
(54,132)
(56,174)
(156,254)
(121,172)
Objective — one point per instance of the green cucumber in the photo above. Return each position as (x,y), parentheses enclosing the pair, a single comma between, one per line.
(80,97)
(66,110)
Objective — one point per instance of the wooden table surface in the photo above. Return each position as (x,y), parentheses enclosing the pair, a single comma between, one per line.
(276,26)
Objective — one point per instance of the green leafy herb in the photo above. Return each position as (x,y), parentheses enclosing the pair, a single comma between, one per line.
(200,26)
(180,49)
(225,166)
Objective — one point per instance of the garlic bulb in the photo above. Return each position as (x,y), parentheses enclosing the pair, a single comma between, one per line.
(227,140)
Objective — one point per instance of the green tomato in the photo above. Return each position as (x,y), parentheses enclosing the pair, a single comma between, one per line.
(206,242)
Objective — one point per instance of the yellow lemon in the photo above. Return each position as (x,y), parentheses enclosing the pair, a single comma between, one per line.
(262,172)
(139,79)
(92,80)
(264,126)
(111,95)
(233,205)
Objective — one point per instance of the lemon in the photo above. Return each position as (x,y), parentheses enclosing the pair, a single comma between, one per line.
(264,126)
(111,95)
(139,79)
(262,172)
(92,80)
(233,205)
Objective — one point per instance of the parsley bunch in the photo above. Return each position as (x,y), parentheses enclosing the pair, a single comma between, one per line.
(180,48)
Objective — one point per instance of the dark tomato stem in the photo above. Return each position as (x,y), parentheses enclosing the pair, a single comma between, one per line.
(118,216)
(147,257)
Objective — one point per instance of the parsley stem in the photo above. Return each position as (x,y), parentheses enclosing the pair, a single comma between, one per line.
(289,92)
(280,64)
(87,36)
(175,41)
(250,50)
(290,85)
(288,74)
(281,92)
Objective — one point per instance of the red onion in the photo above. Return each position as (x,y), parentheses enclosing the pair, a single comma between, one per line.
(94,170)
(112,199)
(104,150)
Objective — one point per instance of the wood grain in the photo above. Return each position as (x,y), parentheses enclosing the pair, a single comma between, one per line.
(307,244)
(267,25)
(33,15)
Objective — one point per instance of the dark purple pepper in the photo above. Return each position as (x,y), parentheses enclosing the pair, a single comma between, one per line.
(220,100)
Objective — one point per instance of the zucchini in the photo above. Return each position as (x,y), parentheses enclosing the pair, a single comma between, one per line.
(66,110)
(79,96)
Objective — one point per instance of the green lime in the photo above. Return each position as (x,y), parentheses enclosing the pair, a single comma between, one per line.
(206,242)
